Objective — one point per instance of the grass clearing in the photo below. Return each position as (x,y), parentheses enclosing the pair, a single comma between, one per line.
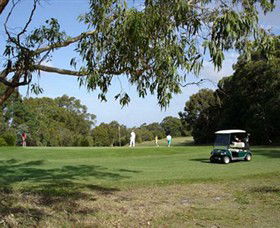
(130,187)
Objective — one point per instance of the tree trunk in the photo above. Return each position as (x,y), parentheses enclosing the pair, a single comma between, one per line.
(3,4)
(9,91)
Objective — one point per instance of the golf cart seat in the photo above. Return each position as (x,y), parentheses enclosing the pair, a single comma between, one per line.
(238,145)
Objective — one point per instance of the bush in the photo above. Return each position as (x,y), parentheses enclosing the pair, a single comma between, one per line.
(87,141)
(3,142)
(77,140)
(10,138)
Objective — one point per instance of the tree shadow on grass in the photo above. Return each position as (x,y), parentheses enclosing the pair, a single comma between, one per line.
(57,188)
(13,171)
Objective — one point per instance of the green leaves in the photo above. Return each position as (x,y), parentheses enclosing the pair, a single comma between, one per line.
(48,34)
(155,47)
(124,99)
(36,89)
(73,62)
(9,51)
(151,45)
(202,114)
(249,99)
(62,121)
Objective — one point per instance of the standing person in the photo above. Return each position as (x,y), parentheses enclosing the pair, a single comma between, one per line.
(169,138)
(247,139)
(156,141)
(132,139)
(23,137)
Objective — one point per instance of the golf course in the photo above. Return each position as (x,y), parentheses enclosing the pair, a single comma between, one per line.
(134,114)
(145,186)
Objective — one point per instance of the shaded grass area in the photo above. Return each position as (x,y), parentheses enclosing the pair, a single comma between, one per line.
(109,186)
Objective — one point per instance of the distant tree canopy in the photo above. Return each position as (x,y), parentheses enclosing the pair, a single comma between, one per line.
(249,99)
(112,134)
(63,121)
(172,125)
(155,47)
(156,129)
(148,132)
(201,113)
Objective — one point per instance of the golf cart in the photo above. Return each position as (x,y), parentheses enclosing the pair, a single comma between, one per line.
(231,145)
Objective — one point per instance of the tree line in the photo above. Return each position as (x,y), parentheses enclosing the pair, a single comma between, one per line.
(64,121)
(249,99)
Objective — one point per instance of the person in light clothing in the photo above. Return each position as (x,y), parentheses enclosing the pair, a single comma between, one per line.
(169,138)
(156,141)
(132,139)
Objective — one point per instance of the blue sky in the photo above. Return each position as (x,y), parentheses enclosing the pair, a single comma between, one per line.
(139,110)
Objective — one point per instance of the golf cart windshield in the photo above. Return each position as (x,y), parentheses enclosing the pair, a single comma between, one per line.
(222,140)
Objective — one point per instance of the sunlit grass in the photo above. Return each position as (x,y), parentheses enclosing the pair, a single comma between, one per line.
(137,187)
(122,167)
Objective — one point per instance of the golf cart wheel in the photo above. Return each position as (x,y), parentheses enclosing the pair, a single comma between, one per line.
(226,160)
(212,160)
(248,157)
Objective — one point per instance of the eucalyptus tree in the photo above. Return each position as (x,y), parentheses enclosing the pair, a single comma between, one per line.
(155,47)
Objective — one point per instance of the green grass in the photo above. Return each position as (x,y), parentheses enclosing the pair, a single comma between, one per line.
(180,141)
(124,167)
(176,186)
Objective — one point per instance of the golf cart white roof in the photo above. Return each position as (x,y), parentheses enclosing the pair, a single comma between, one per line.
(230,131)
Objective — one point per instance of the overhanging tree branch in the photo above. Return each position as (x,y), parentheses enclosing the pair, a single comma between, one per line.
(15,80)
(29,20)
(198,82)
(81,73)
(7,19)
(7,70)
(10,89)
(3,4)
(8,92)
(149,46)
(59,71)
(64,43)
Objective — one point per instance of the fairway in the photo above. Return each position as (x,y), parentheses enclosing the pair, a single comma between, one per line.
(124,167)
(86,173)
